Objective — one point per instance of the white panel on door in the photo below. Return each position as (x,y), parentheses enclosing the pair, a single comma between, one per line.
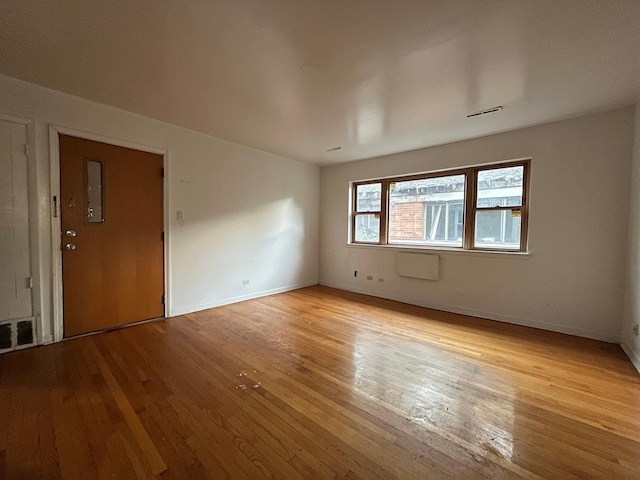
(15,265)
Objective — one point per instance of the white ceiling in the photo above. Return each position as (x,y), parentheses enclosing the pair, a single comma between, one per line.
(298,77)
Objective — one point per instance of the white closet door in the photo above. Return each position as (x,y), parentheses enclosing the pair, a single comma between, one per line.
(15,267)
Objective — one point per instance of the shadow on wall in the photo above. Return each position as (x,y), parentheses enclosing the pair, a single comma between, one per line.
(264,245)
(250,224)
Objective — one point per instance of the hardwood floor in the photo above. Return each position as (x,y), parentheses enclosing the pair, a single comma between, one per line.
(319,383)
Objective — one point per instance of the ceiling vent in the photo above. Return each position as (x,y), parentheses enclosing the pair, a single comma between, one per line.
(485,112)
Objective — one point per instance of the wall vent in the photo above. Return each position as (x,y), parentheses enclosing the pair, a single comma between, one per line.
(17,334)
(485,112)
(418,265)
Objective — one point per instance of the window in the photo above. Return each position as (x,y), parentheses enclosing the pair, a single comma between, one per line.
(476,208)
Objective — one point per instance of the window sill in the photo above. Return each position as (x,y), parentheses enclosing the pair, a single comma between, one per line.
(446,250)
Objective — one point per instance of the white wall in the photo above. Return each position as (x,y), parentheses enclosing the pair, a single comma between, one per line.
(630,341)
(572,281)
(248,214)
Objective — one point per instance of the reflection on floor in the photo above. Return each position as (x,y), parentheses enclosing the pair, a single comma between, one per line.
(319,383)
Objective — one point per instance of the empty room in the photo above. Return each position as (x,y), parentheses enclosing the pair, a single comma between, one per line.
(296,239)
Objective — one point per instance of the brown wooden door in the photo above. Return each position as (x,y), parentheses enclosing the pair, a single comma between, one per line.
(113,268)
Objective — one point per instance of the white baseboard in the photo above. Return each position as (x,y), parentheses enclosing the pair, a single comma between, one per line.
(47,339)
(579,332)
(227,301)
(633,356)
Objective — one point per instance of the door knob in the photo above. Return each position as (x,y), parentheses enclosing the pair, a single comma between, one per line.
(71,233)
(70,246)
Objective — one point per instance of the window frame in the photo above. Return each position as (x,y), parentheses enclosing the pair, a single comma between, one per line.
(382,212)
(470,207)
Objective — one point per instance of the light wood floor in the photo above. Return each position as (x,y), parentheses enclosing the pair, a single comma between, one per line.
(319,383)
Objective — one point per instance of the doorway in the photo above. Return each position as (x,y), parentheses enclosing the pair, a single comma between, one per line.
(112,235)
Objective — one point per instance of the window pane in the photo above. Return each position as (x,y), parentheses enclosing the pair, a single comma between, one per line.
(498,229)
(500,187)
(367,228)
(427,211)
(368,197)
(95,194)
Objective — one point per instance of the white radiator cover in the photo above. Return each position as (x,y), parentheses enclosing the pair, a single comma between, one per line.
(418,265)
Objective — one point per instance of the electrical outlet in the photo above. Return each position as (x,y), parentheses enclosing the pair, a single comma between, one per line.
(369,277)
(246,282)
(635,329)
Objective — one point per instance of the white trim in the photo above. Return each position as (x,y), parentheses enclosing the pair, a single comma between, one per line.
(240,298)
(167,234)
(34,250)
(56,229)
(580,332)
(56,232)
(633,356)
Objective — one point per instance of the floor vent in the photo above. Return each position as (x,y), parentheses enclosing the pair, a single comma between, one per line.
(17,334)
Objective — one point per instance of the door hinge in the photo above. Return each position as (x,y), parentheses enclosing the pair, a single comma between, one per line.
(162,236)
(26,149)
(163,299)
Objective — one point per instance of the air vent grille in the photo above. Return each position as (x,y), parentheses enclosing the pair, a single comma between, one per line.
(17,334)
(485,112)
(6,337)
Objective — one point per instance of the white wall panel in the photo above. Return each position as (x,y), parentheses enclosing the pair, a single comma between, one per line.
(15,268)
(631,339)
(418,265)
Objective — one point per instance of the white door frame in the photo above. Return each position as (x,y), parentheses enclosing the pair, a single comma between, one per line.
(34,251)
(56,227)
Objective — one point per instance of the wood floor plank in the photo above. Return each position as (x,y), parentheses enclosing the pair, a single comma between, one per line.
(320,383)
(150,451)
(72,444)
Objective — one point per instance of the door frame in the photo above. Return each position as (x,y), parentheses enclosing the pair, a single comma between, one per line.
(34,224)
(56,227)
